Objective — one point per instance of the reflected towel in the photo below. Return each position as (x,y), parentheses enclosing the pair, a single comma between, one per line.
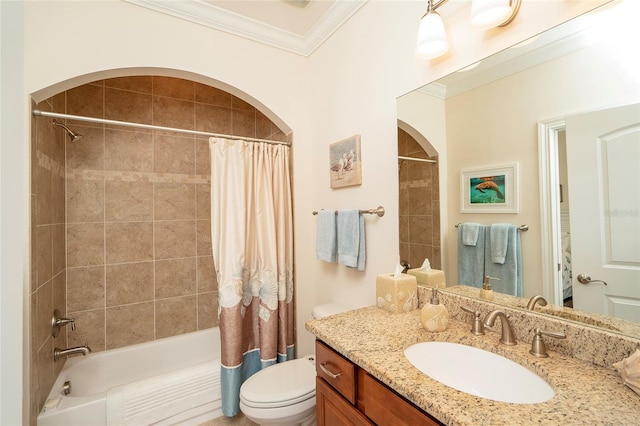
(499,241)
(351,244)
(326,242)
(470,233)
(509,272)
(471,258)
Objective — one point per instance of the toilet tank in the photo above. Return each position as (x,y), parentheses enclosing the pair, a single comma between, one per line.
(327,309)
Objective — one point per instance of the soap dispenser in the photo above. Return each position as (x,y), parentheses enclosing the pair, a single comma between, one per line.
(434,316)
(486,292)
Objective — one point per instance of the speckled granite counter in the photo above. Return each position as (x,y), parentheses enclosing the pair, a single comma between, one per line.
(375,340)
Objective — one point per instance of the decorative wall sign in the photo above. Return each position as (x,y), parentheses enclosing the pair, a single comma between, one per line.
(345,162)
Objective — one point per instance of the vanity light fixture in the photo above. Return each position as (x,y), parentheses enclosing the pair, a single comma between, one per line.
(485,14)
(432,39)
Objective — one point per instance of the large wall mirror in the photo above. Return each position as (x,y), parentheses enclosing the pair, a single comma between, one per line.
(535,104)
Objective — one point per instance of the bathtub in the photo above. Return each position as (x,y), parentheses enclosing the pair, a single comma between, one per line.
(150,364)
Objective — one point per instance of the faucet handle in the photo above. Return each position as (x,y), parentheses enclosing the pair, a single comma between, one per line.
(57,321)
(538,348)
(477,327)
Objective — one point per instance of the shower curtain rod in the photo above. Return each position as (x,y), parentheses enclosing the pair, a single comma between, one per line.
(424,160)
(37,113)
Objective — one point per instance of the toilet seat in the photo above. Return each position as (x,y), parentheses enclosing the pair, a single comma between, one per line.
(281,385)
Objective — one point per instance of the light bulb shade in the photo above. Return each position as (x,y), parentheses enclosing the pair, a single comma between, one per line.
(487,14)
(432,39)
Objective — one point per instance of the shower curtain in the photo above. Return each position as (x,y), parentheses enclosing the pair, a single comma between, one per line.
(252,238)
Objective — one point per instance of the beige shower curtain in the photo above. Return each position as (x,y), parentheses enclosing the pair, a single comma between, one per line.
(252,238)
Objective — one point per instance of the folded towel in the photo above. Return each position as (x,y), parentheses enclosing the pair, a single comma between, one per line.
(470,233)
(471,258)
(509,272)
(351,245)
(499,241)
(326,242)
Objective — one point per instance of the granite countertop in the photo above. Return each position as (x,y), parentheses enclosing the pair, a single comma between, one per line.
(375,339)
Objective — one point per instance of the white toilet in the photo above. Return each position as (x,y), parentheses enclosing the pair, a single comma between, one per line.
(284,394)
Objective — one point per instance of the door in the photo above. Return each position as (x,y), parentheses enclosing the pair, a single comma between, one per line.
(603,151)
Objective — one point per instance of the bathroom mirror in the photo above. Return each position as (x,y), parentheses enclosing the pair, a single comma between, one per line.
(549,53)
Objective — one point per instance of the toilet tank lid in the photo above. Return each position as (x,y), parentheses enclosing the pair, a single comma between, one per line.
(327,309)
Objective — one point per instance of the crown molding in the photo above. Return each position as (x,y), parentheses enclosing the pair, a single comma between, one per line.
(224,20)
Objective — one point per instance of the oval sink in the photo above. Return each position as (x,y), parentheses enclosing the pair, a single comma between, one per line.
(479,372)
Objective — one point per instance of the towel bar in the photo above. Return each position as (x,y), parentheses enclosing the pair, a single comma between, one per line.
(522,228)
(378,210)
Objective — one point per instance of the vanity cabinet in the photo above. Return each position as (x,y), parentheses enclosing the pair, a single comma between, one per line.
(348,395)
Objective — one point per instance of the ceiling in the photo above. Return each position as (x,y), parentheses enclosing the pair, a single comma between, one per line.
(298,26)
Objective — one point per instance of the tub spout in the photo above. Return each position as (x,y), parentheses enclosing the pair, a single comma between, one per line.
(58,353)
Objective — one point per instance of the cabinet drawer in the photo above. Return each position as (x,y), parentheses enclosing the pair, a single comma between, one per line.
(385,407)
(336,370)
(333,410)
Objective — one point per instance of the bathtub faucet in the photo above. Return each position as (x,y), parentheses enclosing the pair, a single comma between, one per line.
(58,353)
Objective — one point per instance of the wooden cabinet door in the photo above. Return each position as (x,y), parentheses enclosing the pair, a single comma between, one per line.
(334,410)
(386,408)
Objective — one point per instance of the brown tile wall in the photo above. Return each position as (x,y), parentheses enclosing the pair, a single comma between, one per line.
(125,248)
(48,267)
(419,205)
(139,257)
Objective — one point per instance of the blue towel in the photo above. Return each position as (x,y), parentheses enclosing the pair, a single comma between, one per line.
(471,258)
(326,242)
(509,272)
(470,233)
(499,241)
(351,246)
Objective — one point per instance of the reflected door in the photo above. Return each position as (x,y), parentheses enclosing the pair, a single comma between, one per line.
(603,150)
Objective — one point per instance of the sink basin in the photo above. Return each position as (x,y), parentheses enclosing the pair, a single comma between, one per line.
(479,372)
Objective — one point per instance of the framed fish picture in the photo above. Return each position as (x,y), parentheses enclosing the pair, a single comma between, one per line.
(491,189)
(345,162)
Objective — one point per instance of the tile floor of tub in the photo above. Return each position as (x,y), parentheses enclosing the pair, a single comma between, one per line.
(239,420)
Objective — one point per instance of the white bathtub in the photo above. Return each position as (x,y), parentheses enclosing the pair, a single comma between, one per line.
(93,375)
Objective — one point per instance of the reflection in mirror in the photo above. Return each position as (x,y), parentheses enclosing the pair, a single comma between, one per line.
(616,325)
(419,208)
(490,115)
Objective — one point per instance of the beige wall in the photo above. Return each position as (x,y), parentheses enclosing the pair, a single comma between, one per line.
(349,85)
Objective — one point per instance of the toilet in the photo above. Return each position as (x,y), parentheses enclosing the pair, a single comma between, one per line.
(284,394)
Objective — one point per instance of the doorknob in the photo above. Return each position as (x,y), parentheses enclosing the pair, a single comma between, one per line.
(586,279)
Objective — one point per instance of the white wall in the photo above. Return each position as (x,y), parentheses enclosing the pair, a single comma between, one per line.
(14,217)
(349,85)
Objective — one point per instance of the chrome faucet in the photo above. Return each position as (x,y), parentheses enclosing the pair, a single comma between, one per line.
(507,333)
(536,299)
(58,353)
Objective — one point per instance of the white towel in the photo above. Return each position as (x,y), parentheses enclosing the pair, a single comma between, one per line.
(351,244)
(326,242)
(470,233)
